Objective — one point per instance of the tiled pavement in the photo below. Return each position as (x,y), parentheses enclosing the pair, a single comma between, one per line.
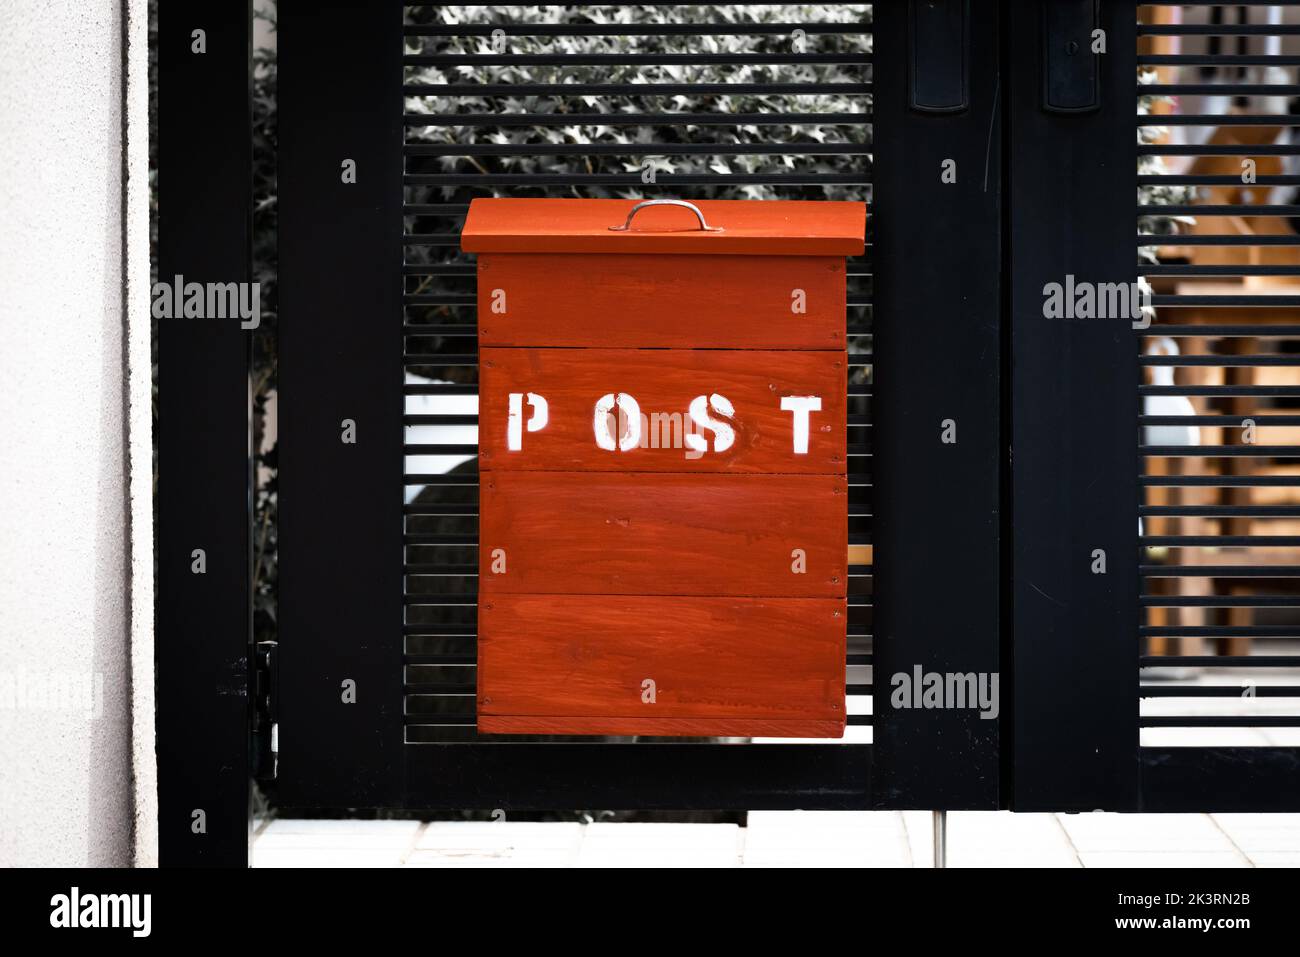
(796,838)
(857,839)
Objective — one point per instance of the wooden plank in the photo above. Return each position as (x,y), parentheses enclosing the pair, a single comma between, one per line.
(664,383)
(750,227)
(662,534)
(665,302)
(579,665)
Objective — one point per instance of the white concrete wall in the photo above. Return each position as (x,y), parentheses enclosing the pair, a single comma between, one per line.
(66,775)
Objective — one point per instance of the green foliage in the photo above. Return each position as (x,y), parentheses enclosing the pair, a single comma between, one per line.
(265,338)
(1159,195)
(642,140)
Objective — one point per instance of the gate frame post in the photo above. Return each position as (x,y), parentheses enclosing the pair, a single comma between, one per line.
(1074,407)
(341,337)
(204,621)
(937,261)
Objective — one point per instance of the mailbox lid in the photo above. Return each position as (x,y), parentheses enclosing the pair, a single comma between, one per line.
(747,227)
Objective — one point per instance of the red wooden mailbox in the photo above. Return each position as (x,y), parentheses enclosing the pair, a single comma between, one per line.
(663,503)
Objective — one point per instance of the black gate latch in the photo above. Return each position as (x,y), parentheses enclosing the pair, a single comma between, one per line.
(938,55)
(265,711)
(1071,73)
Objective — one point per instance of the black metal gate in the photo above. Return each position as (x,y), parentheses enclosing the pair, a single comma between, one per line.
(996,149)
(1100,453)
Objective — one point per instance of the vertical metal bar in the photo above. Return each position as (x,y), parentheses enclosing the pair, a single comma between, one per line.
(204,470)
(1074,438)
(340,359)
(940,823)
(937,448)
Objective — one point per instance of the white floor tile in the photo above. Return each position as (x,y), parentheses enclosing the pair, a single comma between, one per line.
(1275,859)
(340,826)
(511,857)
(661,845)
(324,857)
(493,843)
(1003,839)
(920,836)
(1162,859)
(1175,833)
(335,842)
(826,839)
(797,838)
(502,835)
(1263,837)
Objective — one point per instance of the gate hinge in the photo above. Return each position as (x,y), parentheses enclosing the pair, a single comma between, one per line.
(265,711)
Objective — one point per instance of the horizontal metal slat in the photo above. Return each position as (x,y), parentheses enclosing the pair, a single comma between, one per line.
(648,3)
(1219,661)
(458,330)
(1220,631)
(1220,571)
(1217,541)
(455,60)
(1231,391)
(634,179)
(440,388)
(629,29)
(1224,360)
(1209,149)
(1224,721)
(842,88)
(1145,3)
(1222,511)
(637,119)
(1219,691)
(436,508)
(1224,60)
(1234,421)
(1189,269)
(440,418)
(1220,601)
(434,448)
(1219,89)
(431,239)
(1259,330)
(447,359)
(1223,451)
(1217,29)
(441,720)
(432,209)
(1219,119)
(637,149)
(1209,209)
(1223,481)
(436,569)
(447,539)
(1227,239)
(438,269)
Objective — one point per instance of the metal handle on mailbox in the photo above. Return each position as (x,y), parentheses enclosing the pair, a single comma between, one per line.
(666,202)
